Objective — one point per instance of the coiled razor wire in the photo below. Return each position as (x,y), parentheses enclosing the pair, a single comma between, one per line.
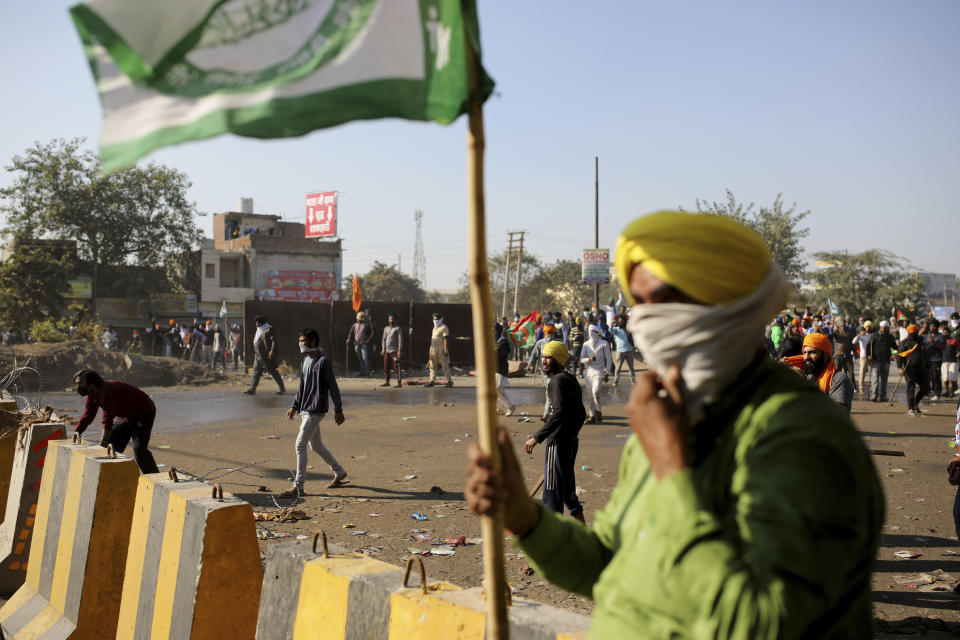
(221,472)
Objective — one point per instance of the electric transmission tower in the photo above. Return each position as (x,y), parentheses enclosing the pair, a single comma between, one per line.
(419,260)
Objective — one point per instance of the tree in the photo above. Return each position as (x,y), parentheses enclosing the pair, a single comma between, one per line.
(33,281)
(386,283)
(873,283)
(140,216)
(779,227)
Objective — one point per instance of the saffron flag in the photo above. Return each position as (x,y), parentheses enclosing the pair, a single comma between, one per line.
(179,70)
(357,294)
(523,334)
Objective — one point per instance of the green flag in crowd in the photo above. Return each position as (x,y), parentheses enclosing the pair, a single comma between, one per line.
(179,70)
(524,334)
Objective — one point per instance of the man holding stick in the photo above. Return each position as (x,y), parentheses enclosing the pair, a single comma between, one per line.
(747,505)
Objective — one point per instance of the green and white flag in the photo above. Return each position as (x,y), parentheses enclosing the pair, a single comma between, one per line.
(179,70)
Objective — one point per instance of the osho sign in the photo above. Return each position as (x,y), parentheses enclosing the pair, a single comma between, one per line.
(596,266)
(321,214)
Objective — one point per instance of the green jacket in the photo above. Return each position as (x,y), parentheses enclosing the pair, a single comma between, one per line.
(771,534)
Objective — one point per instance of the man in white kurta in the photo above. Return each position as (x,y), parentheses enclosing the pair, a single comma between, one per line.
(596,358)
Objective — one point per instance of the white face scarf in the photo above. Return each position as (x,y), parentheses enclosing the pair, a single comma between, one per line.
(260,330)
(710,344)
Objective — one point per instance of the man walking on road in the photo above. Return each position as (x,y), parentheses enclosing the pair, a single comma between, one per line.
(392,347)
(133,407)
(624,350)
(882,347)
(502,346)
(912,362)
(560,434)
(535,362)
(264,351)
(317,382)
(439,351)
(595,357)
(362,335)
(863,340)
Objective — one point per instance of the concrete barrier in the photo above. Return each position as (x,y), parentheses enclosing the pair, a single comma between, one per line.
(21,494)
(348,596)
(193,565)
(79,547)
(9,422)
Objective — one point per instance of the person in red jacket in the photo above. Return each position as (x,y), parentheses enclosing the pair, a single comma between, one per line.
(132,407)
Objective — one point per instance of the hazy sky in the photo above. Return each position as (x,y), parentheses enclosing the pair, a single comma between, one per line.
(851,109)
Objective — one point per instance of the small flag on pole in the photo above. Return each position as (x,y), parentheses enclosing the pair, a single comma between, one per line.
(179,70)
(223,309)
(834,309)
(357,294)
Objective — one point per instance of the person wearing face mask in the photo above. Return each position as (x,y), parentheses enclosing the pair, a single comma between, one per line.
(817,365)
(624,349)
(132,409)
(595,356)
(264,350)
(747,505)
(439,351)
(317,382)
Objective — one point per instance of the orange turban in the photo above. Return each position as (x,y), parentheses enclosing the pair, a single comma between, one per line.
(818,341)
(549,328)
(795,322)
(913,328)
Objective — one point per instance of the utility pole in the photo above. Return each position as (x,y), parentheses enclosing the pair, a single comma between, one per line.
(516,291)
(596,226)
(506,273)
(419,259)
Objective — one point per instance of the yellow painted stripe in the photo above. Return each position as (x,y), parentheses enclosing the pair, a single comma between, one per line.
(17,600)
(324,588)
(414,616)
(166,585)
(573,635)
(68,525)
(39,623)
(136,553)
(228,589)
(43,515)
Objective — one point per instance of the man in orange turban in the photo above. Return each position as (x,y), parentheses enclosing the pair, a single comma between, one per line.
(816,363)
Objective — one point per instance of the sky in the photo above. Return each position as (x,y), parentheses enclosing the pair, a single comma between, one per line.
(850,109)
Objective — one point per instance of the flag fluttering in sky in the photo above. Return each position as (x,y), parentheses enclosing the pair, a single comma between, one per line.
(179,70)
(524,333)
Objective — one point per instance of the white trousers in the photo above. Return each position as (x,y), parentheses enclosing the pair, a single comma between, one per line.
(503,400)
(594,380)
(310,434)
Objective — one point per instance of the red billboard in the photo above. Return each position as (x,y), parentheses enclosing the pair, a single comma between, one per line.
(301,286)
(321,214)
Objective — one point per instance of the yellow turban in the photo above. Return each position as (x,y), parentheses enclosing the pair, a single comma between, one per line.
(557,351)
(712,259)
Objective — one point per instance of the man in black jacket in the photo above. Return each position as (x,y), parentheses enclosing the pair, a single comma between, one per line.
(913,366)
(317,381)
(881,348)
(560,433)
(264,350)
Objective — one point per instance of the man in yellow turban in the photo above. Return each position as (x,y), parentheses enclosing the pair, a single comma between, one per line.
(560,431)
(817,365)
(747,504)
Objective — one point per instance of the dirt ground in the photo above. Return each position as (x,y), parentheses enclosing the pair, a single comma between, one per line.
(405,452)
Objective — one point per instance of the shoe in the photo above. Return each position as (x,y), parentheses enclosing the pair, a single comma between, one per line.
(579,517)
(249,392)
(430,384)
(398,384)
(884,400)
(510,411)
(912,413)
(616,382)
(449,384)
(295,491)
(934,398)
(386,384)
(598,419)
(591,420)
(338,480)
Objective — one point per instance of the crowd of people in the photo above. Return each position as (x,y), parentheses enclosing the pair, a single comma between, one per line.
(202,341)
(747,502)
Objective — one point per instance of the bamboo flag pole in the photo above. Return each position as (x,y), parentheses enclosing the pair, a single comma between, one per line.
(491,526)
